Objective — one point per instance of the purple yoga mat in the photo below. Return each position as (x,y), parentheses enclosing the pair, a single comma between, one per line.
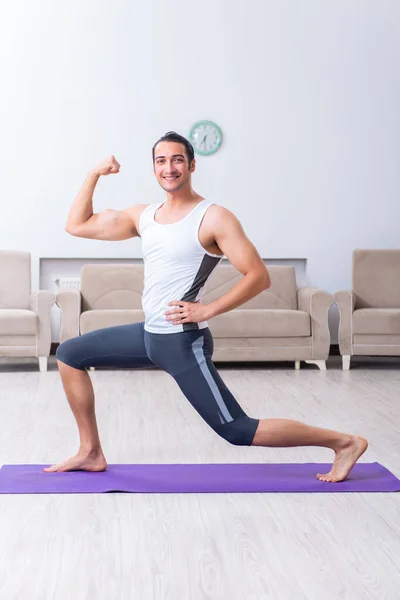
(195,478)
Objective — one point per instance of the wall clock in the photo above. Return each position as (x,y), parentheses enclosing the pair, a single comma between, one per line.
(206,137)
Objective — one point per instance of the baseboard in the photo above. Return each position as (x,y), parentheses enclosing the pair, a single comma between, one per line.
(334,349)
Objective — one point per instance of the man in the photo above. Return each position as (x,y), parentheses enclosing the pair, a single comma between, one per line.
(183,240)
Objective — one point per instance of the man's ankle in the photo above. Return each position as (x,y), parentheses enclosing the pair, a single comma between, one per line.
(90,450)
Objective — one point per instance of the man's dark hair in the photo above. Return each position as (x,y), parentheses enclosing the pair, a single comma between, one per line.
(172,136)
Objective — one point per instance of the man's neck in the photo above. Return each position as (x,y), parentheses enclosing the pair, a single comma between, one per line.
(182,199)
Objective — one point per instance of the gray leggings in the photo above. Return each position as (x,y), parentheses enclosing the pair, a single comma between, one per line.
(185,355)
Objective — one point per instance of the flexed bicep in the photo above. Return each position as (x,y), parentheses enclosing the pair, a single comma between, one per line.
(112,225)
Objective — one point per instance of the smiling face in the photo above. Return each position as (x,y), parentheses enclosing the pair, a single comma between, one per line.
(171,166)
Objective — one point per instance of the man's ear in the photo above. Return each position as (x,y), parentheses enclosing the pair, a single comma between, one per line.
(192,167)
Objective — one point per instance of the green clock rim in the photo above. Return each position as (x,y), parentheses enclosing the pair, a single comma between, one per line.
(206,122)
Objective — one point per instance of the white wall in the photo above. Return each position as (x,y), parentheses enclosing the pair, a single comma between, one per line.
(307,94)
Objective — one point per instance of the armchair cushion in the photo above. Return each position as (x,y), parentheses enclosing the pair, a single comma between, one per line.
(379,321)
(376,278)
(15,279)
(17,321)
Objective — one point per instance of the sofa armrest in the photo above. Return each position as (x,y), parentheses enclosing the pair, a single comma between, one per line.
(69,302)
(316,303)
(345,301)
(41,303)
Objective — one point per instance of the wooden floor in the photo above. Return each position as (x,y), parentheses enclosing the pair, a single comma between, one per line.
(200,547)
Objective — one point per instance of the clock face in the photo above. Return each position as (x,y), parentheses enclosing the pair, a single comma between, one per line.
(206,137)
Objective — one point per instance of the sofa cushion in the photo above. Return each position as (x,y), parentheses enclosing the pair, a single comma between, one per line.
(255,323)
(18,321)
(91,320)
(376,321)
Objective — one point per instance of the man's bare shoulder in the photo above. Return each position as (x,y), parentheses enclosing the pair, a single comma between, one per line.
(135,212)
(218,217)
(136,209)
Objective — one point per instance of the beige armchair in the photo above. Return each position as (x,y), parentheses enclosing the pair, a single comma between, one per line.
(370,313)
(25,325)
(283,323)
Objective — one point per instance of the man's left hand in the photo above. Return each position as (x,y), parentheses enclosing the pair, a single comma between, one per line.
(187,312)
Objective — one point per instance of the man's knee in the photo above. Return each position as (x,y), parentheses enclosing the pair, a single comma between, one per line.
(239,432)
(67,353)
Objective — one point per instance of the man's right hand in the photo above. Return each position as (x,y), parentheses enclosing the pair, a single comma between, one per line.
(107,166)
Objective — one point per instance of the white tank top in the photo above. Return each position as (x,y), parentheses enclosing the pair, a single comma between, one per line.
(176,266)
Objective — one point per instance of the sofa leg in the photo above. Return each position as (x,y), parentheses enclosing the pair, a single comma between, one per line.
(346,362)
(297,365)
(42,363)
(321,364)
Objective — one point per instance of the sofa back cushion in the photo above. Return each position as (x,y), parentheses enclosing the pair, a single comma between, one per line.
(282,294)
(111,286)
(121,286)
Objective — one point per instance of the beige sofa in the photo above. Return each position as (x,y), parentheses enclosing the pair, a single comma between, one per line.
(283,323)
(25,326)
(370,313)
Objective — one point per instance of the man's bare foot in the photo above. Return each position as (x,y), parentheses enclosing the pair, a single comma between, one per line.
(345,459)
(94,461)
